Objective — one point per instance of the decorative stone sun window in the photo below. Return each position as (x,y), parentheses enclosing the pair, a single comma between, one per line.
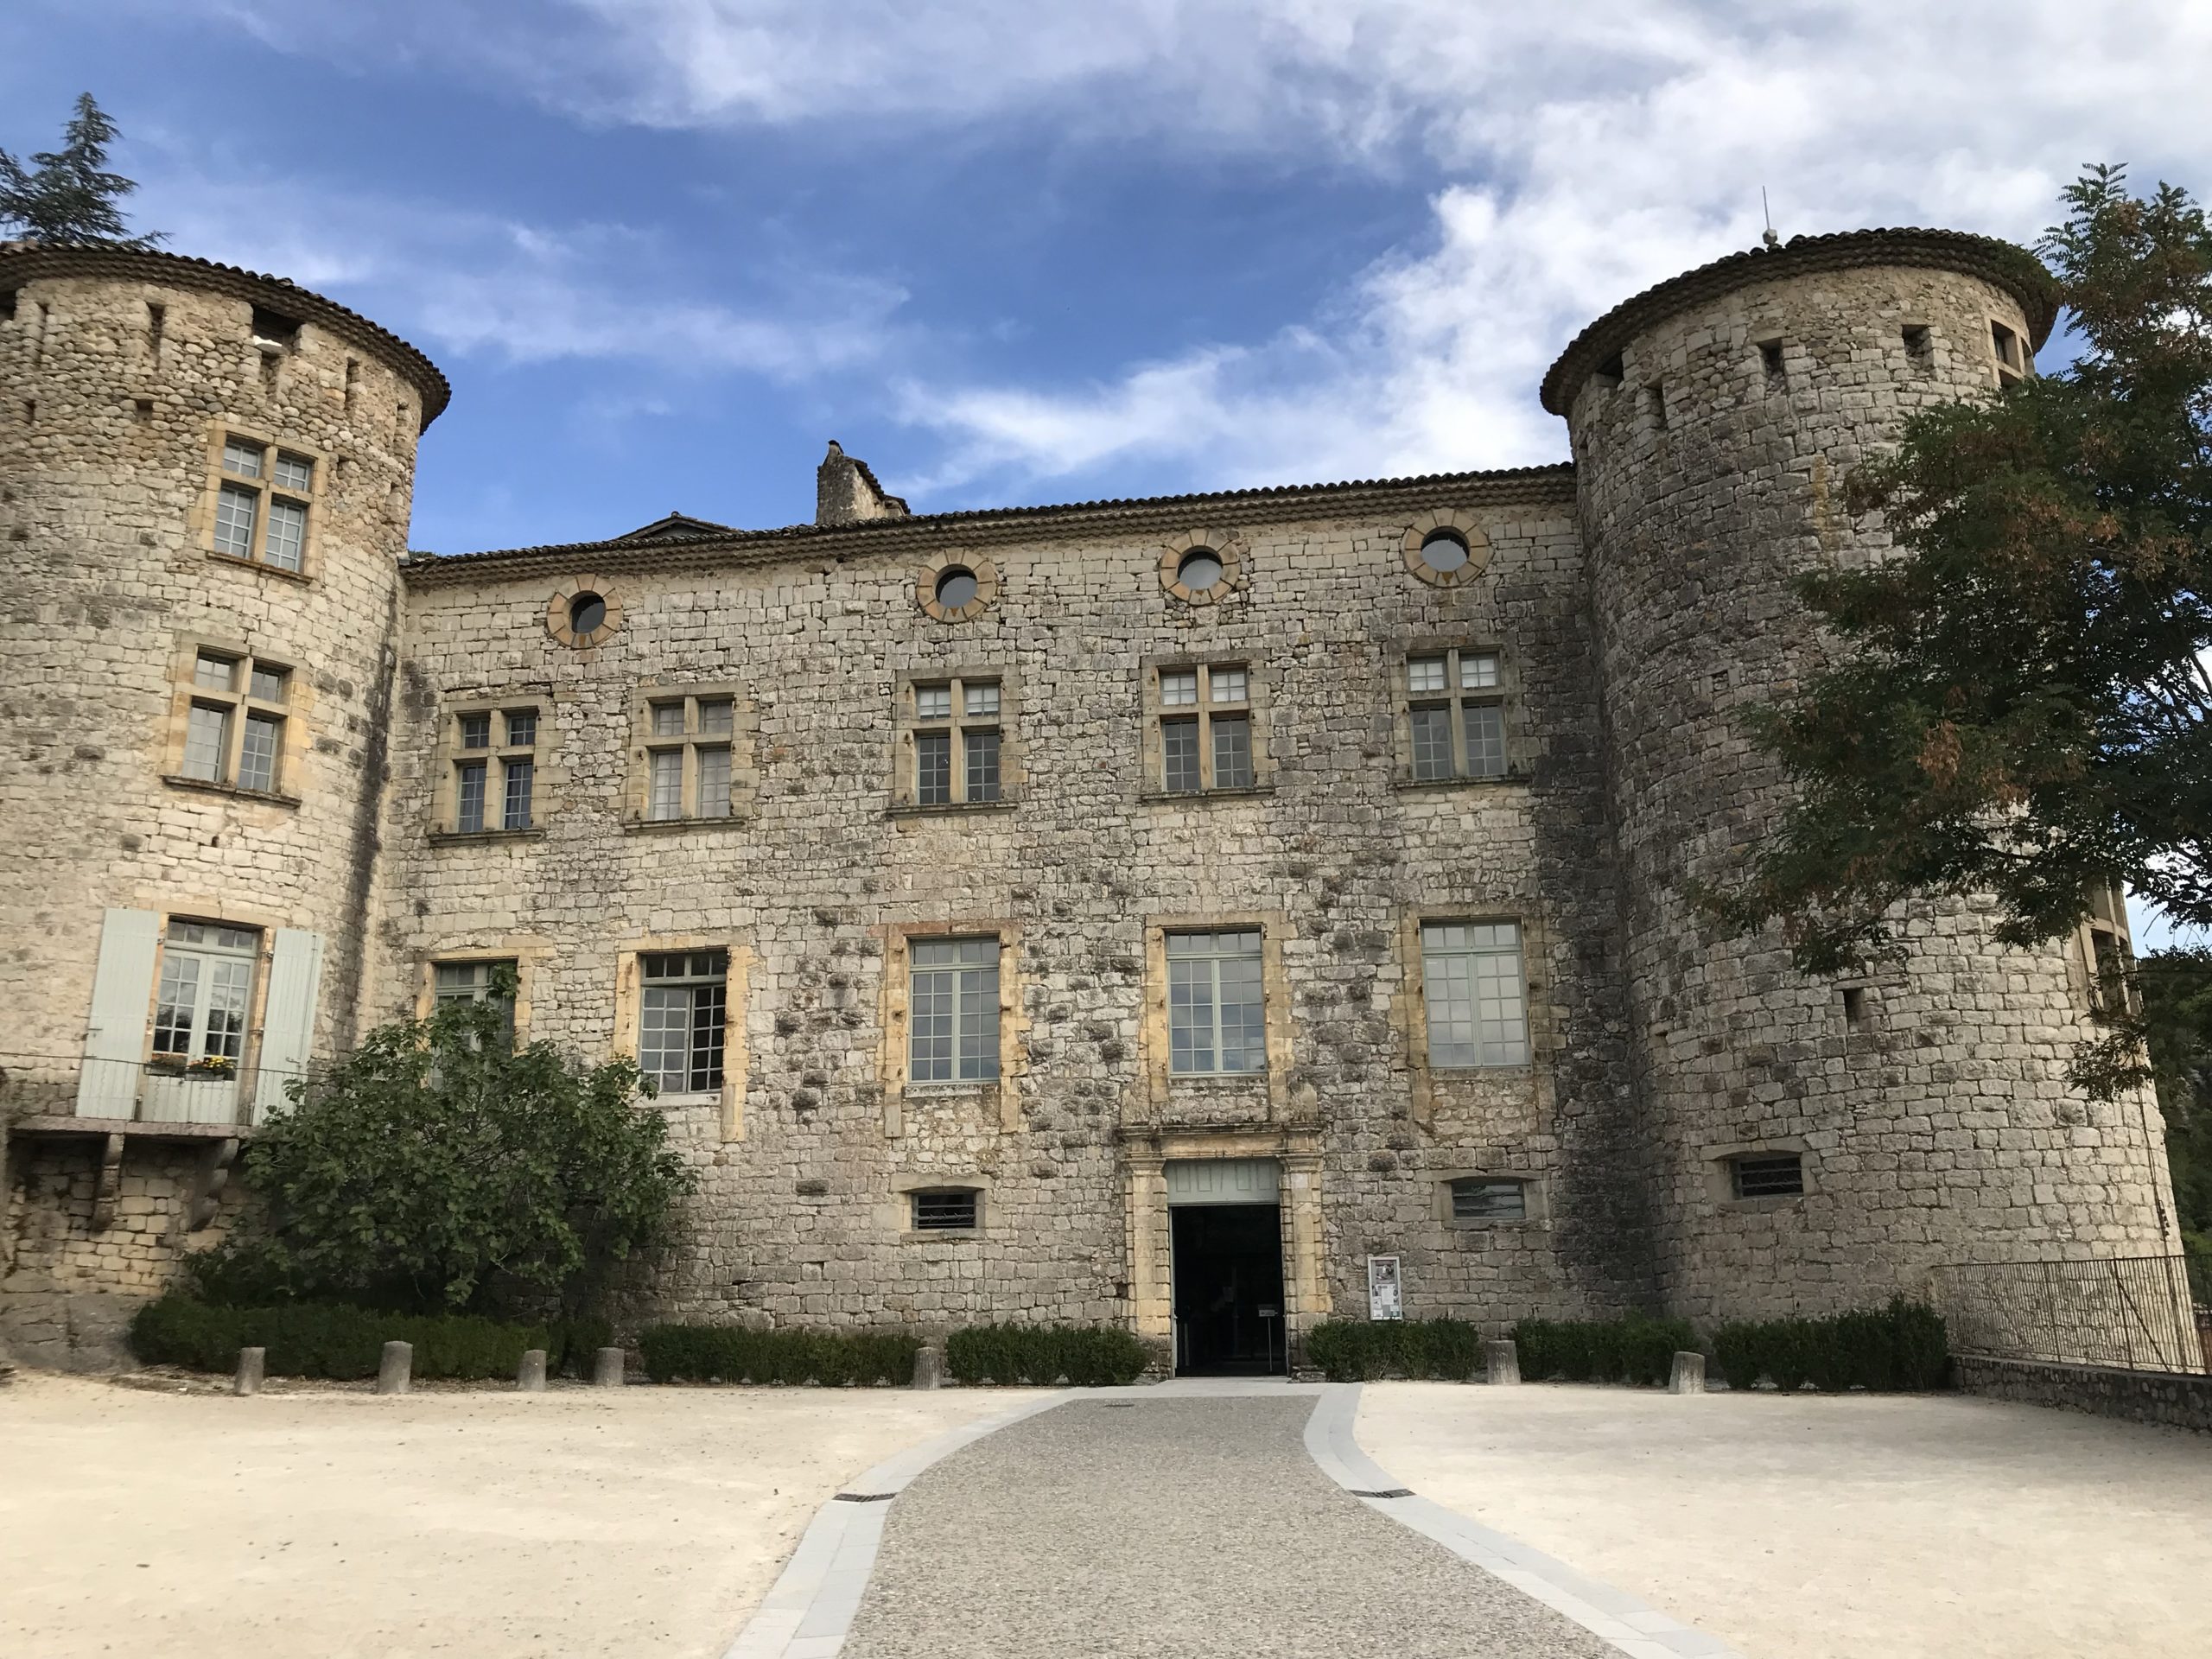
(1203,566)
(956,587)
(584,611)
(1445,547)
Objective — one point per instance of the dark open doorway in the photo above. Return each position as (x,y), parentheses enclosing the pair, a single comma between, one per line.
(1228,1289)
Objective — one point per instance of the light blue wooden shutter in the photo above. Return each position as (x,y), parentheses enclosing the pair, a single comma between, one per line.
(288,1018)
(115,1036)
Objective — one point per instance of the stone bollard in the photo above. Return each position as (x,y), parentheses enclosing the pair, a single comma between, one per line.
(929,1367)
(1688,1375)
(1501,1361)
(391,1370)
(248,1380)
(606,1369)
(530,1375)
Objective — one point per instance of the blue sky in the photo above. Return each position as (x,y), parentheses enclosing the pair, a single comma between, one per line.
(1014,252)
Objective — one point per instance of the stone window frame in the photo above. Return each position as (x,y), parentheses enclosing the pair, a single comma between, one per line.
(1506,696)
(901,1208)
(742,742)
(1225,544)
(1258,707)
(986,572)
(292,713)
(1720,1161)
(907,722)
(629,1017)
(1468,528)
(547,776)
(1155,1050)
(2008,371)
(894,1053)
(531,956)
(557,611)
(315,498)
(2104,942)
(1535,1198)
(1474,1084)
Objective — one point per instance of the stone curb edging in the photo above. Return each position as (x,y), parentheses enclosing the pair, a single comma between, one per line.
(1615,1617)
(809,1609)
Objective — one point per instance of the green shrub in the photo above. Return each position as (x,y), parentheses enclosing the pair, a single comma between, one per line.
(1359,1351)
(729,1353)
(1632,1349)
(1901,1347)
(1084,1355)
(332,1340)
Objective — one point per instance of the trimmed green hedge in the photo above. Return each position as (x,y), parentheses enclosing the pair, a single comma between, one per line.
(1086,1356)
(1902,1347)
(1633,1349)
(334,1340)
(1359,1351)
(730,1353)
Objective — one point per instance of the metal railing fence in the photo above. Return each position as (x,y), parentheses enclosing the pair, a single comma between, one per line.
(144,1091)
(2129,1312)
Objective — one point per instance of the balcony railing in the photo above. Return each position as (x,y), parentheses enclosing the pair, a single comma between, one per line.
(2131,1312)
(140,1091)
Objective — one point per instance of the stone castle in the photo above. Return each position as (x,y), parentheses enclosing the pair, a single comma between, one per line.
(1195,914)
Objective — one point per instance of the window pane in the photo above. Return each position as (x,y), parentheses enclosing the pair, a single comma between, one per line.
(522,729)
(982,763)
(267,684)
(241,457)
(235,510)
(668,720)
(1432,742)
(1228,684)
(1244,1025)
(714,784)
(978,1021)
(1179,747)
(714,715)
(459,982)
(1474,1200)
(1232,751)
(1448,993)
(929,1023)
(1485,741)
(521,776)
(1178,687)
(214,673)
(664,796)
(476,731)
(681,1020)
(1501,1010)
(1425,674)
(288,533)
(179,994)
(293,472)
(206,742)
(229,980)
(263,737)
(469,807)
(933,767)
(1190,1017)
(933,702)
(1477,670)
(982,701)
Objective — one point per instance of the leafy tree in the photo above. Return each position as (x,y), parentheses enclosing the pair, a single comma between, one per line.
(2174,1028)
(437,1169)
(67,199)
(2017,703)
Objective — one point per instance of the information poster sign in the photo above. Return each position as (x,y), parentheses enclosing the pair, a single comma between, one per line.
(1383,1301)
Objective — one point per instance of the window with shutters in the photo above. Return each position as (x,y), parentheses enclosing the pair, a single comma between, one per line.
(690,756)
(234,712)
(1453,716)
(204,995)
(953,734)
(263,502)
(1205,729)
(491,776)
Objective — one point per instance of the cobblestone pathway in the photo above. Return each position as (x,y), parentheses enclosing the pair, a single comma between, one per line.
(1175,1527)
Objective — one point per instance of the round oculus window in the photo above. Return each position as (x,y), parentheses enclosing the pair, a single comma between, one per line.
(1200,570)
(1444,550)
(587,613)
(956,589)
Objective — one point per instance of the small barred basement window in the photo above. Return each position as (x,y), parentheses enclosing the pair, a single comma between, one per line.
(1767,1175)
(1479,1199)
(950,1209)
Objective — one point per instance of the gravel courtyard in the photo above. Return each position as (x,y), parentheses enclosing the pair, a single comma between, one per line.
(1804,1527)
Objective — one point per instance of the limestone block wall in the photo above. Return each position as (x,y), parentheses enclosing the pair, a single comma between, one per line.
(1711,453)
(120,375)
(55,1240)
(816,888)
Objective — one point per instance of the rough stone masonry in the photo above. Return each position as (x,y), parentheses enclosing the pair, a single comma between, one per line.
(1422,763)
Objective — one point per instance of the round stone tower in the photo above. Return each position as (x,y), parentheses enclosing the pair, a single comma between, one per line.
(1922,1110)
(205,483)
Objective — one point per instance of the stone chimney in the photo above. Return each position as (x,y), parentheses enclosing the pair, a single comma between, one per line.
(846,492)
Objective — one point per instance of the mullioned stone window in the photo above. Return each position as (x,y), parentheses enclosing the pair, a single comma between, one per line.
(953,741)
(261,506)
(231,721)
(1206,728)
(1456,714)
(494,775)
(691,757)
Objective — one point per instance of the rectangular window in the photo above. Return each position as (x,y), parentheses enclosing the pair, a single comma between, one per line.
(1232,751)
(668,720)
(983,745)
(689,761)
(205,991)
(1179,747)
(716,716)
(253,520)
(982,701)
(293,472)
(957,743)
(522,776)
(681,1020)
(714,783)
(234,723)
(933,702)
(949,1210)
(267,684)
(1178,688)
(213,673)
(1455,715)
(665,799)
(495,787)
(258,754)
(242,458)
(1476,1199)
(468,809)
(236,510)
(522,729)
(471,982)
(288,533)
(1216,1011)
(1215,746)
(1473,991)
(476,731)
(1767,1175)
(933,768)
(207,741)
(953,1010)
